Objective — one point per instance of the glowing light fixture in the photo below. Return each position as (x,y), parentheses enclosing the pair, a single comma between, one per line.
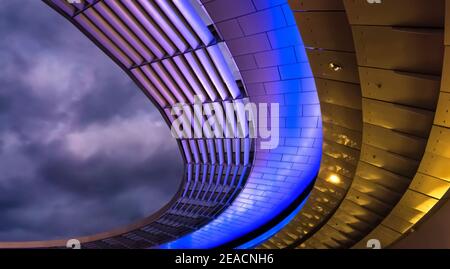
(335,179)
(335,67)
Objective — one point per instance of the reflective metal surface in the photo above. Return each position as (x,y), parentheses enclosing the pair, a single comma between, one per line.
(402,169)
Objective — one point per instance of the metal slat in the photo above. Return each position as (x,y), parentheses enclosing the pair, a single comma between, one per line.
(149,87)
(109,31)
(213,74)
(159,68)
(224,71)
(190,77)
(195,21)
(159,84)
(104,40)
(124,31)
(147,32)
(162,21)
(202,75)
(173,14)
(178,80)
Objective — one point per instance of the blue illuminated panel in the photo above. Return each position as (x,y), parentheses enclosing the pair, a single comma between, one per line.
(268,50)
(265,236)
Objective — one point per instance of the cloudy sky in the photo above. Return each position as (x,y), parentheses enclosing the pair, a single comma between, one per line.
(81,148)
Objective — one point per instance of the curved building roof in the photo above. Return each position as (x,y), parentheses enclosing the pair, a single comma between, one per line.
(232,186)
(362,93)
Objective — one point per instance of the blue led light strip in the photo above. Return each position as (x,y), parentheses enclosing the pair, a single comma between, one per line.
(258,240)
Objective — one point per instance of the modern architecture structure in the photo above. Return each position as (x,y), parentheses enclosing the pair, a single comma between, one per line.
(364,139)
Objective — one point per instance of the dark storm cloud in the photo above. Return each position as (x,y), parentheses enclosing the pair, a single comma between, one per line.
(81,149)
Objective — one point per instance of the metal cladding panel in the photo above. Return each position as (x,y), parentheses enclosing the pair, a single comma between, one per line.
(324,201)
(325,30)
(397,223)
(442,112)
(348,224)
(330,190)
(339,93)
(389,161)
(382,177)
(439,141)
(399,56)
(435,165)
(363,215)
(342,135)
(400,45)
(385,235)
(431,186)
(331,166)
(397,117)
(393,141)
(331,238)
(418,201)
(345,224)
(312,5)
(341,152)
(342,116)
(400,48)
(407,213)
(368,202)
(377,191)
(334,234)
(445,85)
(417,13)
(447,23)
(322,63)
(397,87)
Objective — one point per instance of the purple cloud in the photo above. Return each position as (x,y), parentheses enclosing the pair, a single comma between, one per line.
(82,150)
